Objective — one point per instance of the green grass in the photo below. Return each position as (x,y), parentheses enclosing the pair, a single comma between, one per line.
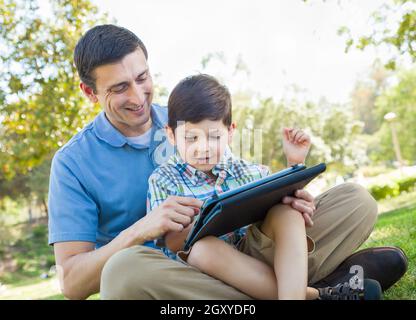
(30,256)
(398,228)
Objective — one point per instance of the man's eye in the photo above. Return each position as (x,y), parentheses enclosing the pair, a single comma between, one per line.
(191,139)
(119,89)
(215,137)
(141,79)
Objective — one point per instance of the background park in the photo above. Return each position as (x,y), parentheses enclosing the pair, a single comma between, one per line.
(342,70)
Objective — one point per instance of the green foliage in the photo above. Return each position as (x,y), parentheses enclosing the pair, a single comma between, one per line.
(29,252)
(365,94)
(42,107)
(400,99)
(394,26)
(331,127)
(392,188)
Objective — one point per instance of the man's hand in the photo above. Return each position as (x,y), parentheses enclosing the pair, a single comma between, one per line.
(303,202)
(174,214)
(296,145)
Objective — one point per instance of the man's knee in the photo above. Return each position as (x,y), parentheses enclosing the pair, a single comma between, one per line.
(359,196)
(124,275)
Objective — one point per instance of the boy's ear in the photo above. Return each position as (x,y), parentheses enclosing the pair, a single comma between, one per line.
(170,135)
(231,129)
(88,92)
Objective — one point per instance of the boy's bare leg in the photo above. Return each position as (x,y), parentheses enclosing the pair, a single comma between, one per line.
(251,276)
(286,227)
(221,261)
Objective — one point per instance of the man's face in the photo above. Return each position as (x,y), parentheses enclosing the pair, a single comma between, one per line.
(201,144)
(125,91)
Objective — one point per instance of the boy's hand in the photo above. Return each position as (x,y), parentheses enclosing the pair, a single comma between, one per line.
(296,145)
(303,202)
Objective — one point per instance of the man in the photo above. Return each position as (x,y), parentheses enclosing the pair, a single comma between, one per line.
(98,225)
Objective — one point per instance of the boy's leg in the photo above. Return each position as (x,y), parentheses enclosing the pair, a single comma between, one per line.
(222,261)
(345,216)
(143,273)
(286,228)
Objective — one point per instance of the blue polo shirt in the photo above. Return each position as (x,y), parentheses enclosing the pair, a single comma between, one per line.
(98,182)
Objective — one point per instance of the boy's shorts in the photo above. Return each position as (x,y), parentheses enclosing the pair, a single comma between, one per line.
(255,244)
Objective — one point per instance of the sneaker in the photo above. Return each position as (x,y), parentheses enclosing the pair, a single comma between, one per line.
(371,290)
(384,264)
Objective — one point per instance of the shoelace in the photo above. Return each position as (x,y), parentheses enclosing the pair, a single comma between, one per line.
(341,291)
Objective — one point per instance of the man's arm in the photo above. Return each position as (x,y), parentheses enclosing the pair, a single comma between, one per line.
(79,265)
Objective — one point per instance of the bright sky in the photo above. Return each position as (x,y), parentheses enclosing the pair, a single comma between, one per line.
(282,42)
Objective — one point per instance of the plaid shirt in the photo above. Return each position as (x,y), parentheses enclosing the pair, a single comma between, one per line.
(178,178)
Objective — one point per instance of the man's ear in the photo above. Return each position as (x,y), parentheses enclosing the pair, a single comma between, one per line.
(231,129)
(170,135)
(88,92)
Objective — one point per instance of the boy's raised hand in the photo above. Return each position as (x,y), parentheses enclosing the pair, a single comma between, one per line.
(296,145)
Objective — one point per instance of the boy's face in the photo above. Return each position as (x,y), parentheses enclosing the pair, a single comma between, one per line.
(125,90)
(201,144)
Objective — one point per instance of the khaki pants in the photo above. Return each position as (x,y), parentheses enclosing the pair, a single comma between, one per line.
(345,216)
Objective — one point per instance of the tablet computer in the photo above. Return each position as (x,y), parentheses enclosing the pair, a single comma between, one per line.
(249,203)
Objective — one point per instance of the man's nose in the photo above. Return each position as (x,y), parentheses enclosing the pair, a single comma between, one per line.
(137,95)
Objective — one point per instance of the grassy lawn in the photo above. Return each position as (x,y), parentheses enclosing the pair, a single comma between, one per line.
(398,228)
(32,258)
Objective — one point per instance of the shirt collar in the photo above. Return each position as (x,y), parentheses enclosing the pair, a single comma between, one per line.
(194,175)
(106,132)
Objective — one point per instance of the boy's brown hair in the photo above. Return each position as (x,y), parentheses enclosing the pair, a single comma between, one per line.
(197,98)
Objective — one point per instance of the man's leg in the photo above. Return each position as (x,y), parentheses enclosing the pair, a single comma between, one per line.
(345,216)
(143,273)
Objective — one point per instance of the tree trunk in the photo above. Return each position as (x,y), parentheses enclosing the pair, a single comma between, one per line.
(45,207)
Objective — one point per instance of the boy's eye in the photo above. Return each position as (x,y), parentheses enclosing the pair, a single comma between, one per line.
(190,138)
(215,137)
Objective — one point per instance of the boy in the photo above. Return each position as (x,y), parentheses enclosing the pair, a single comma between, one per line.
(200,128)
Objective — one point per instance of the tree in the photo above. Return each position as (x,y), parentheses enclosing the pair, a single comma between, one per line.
(41,107)
(400,99)
(394,26)
(364,96)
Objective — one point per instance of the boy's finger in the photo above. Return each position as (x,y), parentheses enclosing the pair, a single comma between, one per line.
(180,218)
(297,135)
(308,220)
(188,201)
(303,194)
(184,210)
(287,200)
(303,137)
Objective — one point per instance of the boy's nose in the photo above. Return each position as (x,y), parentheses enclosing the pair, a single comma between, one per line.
(202,149)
